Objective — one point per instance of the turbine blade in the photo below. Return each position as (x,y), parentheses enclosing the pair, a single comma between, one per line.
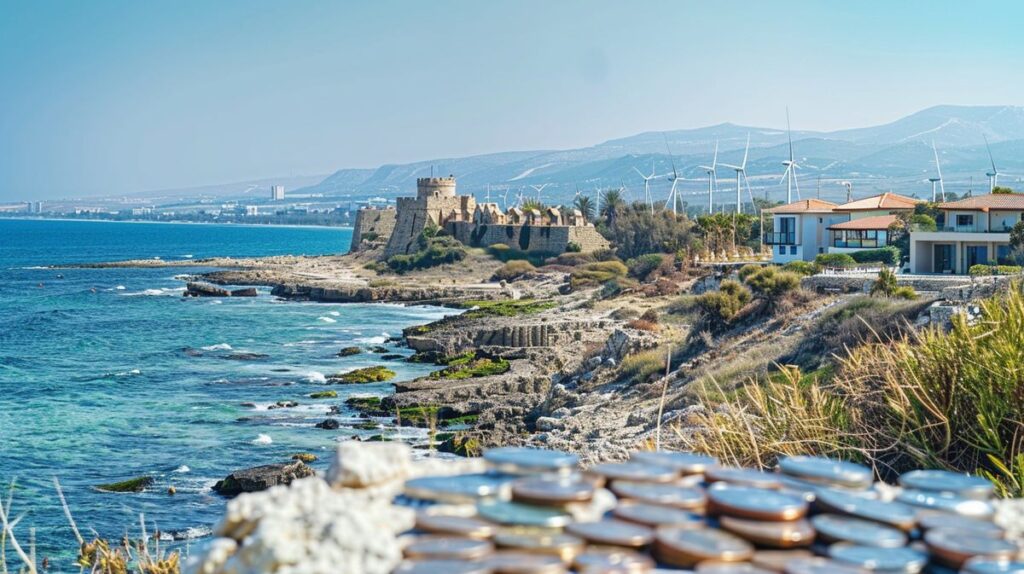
(746,150)
(639,172)
(789,132)
(990,159)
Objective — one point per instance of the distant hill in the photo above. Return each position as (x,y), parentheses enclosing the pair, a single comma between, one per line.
(897,155)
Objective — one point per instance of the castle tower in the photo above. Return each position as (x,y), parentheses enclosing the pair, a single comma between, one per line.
(427,187)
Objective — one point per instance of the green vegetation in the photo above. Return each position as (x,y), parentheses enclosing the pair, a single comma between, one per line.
(513,270)
(505,308)
(722,306)
(983,270)
(366,425)
(324,395)
(585,205)
(306,457)
(459,443)
(641,367)
(748,270)
(367,405)
(934,399)
(888,255)
(476,367)
(773,284)
(805,268)
(137,484)
(635,231)
(433,250)
(365,375)
(1001,189)
(651,266)
(725,232)
(349,351)
(887,286)
(598,273)
(834,260)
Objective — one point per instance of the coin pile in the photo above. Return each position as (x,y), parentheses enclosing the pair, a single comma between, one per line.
(536,511)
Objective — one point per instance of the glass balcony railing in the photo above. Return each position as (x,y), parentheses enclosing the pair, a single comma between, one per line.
(856,243)
(784,238)
(974,229)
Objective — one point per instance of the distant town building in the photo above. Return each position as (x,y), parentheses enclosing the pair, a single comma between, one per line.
(277,193)
(35,207)
(252,210)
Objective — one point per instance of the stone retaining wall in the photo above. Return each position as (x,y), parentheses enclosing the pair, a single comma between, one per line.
(372,222)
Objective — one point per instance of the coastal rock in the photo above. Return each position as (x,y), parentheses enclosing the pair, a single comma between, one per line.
(138,484)
(246,292)
(261,478)
(365,464)
(547,424)
(329,424)
(197,289)
(283,405)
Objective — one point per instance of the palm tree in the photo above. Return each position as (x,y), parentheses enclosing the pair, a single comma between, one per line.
(611,204)
(584,204)
(529,204)
(885,284)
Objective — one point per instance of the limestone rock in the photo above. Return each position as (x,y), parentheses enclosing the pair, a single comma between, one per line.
(546,424)
(197,289)
(246,292)
(366,464)
(262,477)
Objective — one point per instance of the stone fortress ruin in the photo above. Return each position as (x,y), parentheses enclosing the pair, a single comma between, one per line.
(437,204)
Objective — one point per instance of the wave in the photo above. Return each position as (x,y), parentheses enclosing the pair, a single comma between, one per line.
(316,377)
(120,288)
(218,347)
(190,533)
(182,469)
(372,340)
(263,439)
(327,320)
(334,314)
(188,256)
(166,291)
(130,373)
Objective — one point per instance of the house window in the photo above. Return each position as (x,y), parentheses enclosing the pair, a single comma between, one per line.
(963,220)
(782,250)
(792,249)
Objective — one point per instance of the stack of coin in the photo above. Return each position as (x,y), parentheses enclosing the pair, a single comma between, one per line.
(529,461)
(687,463)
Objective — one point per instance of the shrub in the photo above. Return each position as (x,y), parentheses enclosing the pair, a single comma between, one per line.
(573,247)
(834,260)
(482,367)
(888,255)
(433,250)
(571,259)
(806,268)
(772,283)
(747,270)
(982,270)
(905,292)
(640,367)
(504,308)
(650,315)
(650,265)
(597,273)
(641,325)
(723,305)
(885,284)
(513,270)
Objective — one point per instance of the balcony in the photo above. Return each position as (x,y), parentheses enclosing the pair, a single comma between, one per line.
(784,238)
(856,243)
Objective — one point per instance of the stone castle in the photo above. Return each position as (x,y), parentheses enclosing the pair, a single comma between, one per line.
(437,204)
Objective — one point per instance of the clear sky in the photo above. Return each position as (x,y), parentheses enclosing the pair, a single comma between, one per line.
(102,97)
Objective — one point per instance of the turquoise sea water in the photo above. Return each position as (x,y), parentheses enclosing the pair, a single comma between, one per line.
(108,374)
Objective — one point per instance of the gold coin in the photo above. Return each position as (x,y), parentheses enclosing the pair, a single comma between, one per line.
(518,562)
(454,525)
(742,477)
(685,497)
(447,548)
(551,490)
(953,547)
(654,515)
(686,547)
(612,532)
(776,560)
(791,534)
(684,462)
(540,541)
(618,560)
(635,471)
(754,503)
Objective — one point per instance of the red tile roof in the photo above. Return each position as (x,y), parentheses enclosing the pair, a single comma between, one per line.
(804,206)
(887,200)
(997,201)
(866,223)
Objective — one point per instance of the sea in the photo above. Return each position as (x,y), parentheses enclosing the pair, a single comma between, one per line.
(110,374)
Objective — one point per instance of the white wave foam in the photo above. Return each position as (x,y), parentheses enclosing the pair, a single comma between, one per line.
(316,377)
(263,439)
(190,533)
(217,347)
(120,288)
(327,320)
(183,469)
(215,302)
(167,291)
(372,340)
(188,256)
(130,373)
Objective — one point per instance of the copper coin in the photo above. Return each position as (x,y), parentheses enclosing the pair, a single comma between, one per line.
(822,470)
(685,497)
(446,566)
(654,515)
(947,503)
(977,527)
(612,532)
(540,541)
(818,565)
(456,489)
(447,548)
(963,485)
(551,490)
(790,534)
(686,547)
(776,560)
(982,565)
(715,567)
(742,477)
(518,514)
(892,513)
(518,562)
(635,471)
(953,547)
(454,525)
(838,528)
(684,462)
(754,503)
(524,460)
(874,558)
(621,561)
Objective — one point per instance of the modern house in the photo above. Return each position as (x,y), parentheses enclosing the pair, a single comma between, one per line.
(804,229)
(972,231)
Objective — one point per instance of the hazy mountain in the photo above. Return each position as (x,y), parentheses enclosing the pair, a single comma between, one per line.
(896,155)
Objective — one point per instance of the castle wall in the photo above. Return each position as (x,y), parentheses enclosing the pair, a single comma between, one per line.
(535,238)
(416,213)
(372,224)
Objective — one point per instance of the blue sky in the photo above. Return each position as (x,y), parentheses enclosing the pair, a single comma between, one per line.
(105,97)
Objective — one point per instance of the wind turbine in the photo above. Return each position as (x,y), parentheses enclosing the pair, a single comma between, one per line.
(539,188)
(938,169)
(849,190)
(647,185)
(673,196)
(712,179)
(993,176)
(791,167)
(504,200)
(741,172)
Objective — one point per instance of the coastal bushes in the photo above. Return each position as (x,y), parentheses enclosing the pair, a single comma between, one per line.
(635,231)
(472,368)
(834,260)
(641,367)
(597,273)
(513,270)
(984,270)
(805,268)
(505,308)
(886,255)
(723,305)
(772,283)
(651,266)
(433,250)
(365,375)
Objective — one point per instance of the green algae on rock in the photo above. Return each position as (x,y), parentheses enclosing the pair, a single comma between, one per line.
(362,376)
(137,484)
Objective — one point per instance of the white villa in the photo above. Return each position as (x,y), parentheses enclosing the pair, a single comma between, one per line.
(804,229)
(973,231)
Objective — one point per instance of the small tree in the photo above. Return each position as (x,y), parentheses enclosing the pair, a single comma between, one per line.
(886,284)
(1002,190)
(585,205)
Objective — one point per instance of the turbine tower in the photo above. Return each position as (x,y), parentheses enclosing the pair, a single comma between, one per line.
(741,173)
(938,170)
(712,179)
(647,185)
(993,176)
(849,190)
(673,197)
(791,167)
(539,188)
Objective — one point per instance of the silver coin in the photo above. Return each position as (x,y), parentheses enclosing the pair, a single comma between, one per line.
(517,514)
(742,477)
(819,565)
(755,503)
(963,485)
(685,462)
(982,565)
(931,520)
(892,513)
(884,559)
(458,489)
(521,460)
(836,528)
(947,503)
(823,470)
(635,471)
